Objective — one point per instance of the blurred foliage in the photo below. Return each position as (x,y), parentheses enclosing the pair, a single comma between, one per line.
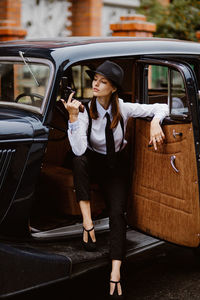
(180,19)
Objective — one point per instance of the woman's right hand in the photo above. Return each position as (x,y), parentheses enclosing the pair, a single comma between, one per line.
(72,107)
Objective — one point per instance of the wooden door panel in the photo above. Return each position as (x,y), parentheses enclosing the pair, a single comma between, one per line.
(166,203)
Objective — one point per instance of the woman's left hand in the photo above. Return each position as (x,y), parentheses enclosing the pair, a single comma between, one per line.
(156,133)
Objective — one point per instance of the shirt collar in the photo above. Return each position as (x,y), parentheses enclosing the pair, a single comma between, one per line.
(101,110)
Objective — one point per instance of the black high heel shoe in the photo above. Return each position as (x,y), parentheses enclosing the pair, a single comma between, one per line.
(115,295)
(89,245)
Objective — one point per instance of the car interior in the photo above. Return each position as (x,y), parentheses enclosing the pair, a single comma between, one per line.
(144,82)
(55,192)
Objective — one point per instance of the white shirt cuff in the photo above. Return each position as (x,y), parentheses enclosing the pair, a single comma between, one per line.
(73,126)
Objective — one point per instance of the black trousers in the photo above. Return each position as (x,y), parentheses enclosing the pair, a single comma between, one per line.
(93,167)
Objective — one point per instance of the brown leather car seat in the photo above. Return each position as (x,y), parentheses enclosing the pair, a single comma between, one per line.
(56,181)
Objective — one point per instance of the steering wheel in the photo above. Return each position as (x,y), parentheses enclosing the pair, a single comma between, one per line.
(31,95)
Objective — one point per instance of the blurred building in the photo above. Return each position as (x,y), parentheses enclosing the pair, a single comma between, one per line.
(60,18)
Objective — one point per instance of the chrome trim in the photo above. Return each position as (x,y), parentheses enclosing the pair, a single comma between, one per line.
(175,134)
(27,65)
(68,231)
(173,157)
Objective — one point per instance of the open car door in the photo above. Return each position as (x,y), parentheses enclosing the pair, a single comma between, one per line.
(165,189)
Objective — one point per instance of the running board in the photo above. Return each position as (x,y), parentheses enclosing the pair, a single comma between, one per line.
(69,231)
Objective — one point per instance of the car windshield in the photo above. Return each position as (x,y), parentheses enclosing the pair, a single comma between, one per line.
(24,85)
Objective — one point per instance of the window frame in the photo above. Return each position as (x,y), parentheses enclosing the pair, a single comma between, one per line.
(143,64)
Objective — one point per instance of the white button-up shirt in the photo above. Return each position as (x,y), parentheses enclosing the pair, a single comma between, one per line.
(77,131)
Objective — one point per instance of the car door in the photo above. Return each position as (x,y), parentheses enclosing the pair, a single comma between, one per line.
(165,185)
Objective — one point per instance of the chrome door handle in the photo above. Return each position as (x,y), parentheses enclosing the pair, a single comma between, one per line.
(176,133)
(173,157)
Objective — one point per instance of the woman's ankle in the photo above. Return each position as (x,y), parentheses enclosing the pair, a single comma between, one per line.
(115,271)
(115,276)
(88,224)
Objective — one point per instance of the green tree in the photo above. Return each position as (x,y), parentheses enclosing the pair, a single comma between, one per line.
(180,19)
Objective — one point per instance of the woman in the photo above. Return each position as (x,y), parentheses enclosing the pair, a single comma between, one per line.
(97,140)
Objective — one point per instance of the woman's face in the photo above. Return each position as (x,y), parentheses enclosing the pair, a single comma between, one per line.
(101,86)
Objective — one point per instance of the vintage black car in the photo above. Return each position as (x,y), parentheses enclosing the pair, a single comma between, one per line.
(40,222)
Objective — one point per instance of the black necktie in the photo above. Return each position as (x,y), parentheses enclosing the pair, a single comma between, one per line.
(110,144)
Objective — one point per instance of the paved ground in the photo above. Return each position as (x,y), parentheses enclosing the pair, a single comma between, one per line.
(167,272)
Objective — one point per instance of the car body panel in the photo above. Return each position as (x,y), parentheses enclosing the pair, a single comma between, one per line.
(22,143)
(24,268)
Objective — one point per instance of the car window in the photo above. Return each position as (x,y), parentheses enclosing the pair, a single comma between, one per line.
(81,82)
(166,85)
(23,86)
(157,84)
(179,105)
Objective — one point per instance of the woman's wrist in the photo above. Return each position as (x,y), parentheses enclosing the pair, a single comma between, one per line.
(155,120)
(73,118)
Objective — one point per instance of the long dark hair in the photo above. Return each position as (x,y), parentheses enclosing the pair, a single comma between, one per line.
(114,100)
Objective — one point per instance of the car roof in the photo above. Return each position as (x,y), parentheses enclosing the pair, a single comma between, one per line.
(83,48)
(81,40)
